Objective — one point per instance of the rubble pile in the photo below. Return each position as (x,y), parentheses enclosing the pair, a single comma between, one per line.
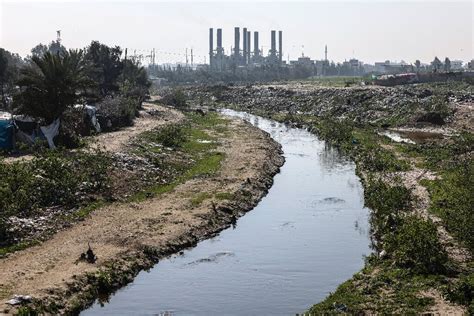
(367,104)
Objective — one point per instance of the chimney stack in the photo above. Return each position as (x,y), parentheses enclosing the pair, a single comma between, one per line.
(280,46)
(236,42)
(219,38)
(211,45)
(244,45)
(273,44)
(255,44)
(248,47)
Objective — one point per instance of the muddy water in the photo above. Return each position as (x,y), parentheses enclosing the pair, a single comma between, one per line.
(308,235)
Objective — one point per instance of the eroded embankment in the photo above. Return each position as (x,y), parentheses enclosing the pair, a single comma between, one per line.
(419,192)
(129,237)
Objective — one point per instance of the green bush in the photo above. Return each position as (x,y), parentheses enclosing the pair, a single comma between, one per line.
(171,136)
(339,132)
(4,236)
(415,245)
(74,124)
(50,179)
(375,158)
(116,112)
(452,199)
(462,292)
(175,98)
(388,203)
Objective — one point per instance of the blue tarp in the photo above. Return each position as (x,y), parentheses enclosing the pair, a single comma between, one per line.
(6,134)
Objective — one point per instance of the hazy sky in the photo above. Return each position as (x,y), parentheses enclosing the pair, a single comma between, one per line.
(369,30)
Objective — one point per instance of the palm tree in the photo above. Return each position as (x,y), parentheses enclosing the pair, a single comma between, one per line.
(436,64)
(51,84)
(447,65)
(134,81)
(417,65)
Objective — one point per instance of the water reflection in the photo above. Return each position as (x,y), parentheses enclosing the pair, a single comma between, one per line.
(333,160)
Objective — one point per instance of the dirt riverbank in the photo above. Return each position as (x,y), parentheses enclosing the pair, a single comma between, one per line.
(129,237)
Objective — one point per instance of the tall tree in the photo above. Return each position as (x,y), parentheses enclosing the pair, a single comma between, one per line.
(436,64)
(447,64)
(3,73)
(417,65)
(55,47)
(10,65)
(134,81)
(106,66)
(50,84)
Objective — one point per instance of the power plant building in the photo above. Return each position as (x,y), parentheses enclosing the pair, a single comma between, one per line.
(242,54)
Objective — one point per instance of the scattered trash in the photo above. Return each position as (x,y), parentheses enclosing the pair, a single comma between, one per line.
(338,307)
(19,299)
(88,256)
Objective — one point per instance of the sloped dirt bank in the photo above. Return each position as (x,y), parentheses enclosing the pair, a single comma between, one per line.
(129,237)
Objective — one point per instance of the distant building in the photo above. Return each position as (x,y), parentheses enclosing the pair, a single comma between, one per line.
(388,67)
(470,65)
(303,61)
(456,64)
(368,68)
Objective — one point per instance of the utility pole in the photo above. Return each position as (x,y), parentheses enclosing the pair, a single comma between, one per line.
(191,58)
(186,58)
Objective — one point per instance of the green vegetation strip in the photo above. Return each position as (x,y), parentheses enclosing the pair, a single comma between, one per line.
(412,260)
(196,140)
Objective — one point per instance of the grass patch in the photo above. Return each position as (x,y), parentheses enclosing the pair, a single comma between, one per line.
(206,166)
(199,198)
(380,288)
(198,138)
(152,191)
(224,196)
(452,199)
(17,247)
(85,211)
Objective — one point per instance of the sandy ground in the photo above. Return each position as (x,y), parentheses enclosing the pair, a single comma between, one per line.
(118,140)
(118,230)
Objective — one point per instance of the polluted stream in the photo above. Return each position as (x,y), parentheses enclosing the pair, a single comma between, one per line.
(308,235)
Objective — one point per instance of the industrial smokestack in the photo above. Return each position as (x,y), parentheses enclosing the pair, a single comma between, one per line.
(244,44)
(280,46)
(273,45)
(236,42)
(211,45)
(248,46)
(219,38)
(255,44)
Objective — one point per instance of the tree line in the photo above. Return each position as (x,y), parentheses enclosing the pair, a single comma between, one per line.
(53,79)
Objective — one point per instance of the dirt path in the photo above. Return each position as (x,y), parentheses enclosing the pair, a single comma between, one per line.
(124,233)
(411,179)
(150,117)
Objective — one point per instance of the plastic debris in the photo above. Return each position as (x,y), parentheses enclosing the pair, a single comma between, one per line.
(19,299)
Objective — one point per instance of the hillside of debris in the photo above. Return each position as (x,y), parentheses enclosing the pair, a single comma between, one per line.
(433,104)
